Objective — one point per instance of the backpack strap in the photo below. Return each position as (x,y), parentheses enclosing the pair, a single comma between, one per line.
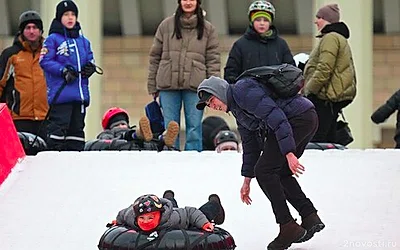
(342,115)
(204,236)
(149,243)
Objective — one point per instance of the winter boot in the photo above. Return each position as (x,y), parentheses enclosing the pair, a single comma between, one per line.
(312,224)
(144,132)
(170,195)
(170,134)
(289,233)
(220,218)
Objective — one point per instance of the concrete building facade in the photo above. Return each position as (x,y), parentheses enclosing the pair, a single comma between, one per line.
(121,35)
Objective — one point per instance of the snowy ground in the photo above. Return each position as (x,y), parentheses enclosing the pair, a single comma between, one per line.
(63,200)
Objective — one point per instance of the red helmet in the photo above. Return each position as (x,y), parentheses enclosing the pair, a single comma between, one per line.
(110,113)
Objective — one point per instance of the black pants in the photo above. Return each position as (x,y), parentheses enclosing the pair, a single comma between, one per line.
(274,176)
(65,129)
(328,113)
(397,133)
(31,126)
(210,209)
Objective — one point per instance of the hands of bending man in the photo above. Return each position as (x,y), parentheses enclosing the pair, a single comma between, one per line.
(245,191)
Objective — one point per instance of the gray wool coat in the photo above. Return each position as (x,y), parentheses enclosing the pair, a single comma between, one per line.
(171,218)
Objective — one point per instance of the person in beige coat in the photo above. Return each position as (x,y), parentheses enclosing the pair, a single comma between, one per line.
(185,51)
(329,73)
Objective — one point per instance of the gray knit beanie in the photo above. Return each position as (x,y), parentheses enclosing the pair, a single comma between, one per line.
(214,86)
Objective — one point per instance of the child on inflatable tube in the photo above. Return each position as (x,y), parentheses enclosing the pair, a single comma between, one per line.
(149,213)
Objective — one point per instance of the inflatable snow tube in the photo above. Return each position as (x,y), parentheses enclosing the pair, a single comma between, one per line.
(31,145)
(122,238)
(120,145)
(324,146)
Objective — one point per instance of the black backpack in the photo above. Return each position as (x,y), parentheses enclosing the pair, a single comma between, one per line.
(284,80)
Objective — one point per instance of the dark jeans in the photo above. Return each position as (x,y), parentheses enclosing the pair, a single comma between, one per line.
(328,113)
(65,129)
(32,127)
(210,209)
(274,176)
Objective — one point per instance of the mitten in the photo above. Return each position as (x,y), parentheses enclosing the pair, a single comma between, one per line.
(208,227)
(129,135)
(88,70)
(69,73)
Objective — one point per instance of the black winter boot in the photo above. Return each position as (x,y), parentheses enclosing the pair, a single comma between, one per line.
(289,233)
(170,195)
(312,224)
(220,218)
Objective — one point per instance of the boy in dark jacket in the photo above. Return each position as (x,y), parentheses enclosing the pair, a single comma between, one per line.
(260,45)
(386,110)
(149,213)
(115,123)
(67,61)
(274,135)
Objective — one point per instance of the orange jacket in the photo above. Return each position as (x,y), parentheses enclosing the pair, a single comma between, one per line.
(22,82)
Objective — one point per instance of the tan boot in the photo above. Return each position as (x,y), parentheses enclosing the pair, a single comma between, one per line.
(289,233)
(144,131)
(171,133)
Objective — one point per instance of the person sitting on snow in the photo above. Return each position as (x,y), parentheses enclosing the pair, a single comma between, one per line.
(115,123)
(149,213)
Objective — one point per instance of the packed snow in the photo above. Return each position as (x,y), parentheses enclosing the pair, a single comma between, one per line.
(64,200)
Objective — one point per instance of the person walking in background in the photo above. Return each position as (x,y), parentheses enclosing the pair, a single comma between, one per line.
(386,110)
(22,82)
(67,60)
(260,45)
(274,133)
(184,52)
(329,73)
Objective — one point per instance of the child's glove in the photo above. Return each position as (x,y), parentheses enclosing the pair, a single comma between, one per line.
(69,73)
(129,135)
(88,70)
(208,227)
(113,223)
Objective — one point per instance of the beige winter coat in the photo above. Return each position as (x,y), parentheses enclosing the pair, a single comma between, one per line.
(182,64)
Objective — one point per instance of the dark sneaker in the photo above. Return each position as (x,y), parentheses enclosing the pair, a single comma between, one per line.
(289,233)
(220,218)
(312,224)
(171,133)
(144,132)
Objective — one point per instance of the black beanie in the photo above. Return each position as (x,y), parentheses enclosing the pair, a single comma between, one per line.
(64,6)
(211,126)
(118,119)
